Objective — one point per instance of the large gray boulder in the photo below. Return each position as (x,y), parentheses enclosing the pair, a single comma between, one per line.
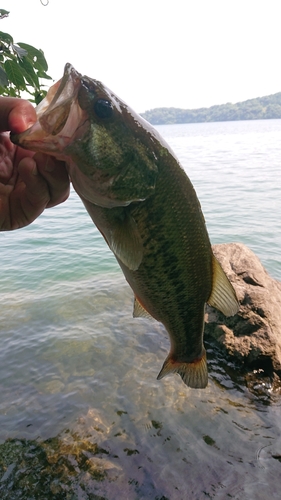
(253,335)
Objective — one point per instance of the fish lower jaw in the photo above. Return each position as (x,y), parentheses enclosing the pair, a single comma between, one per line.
(53,146)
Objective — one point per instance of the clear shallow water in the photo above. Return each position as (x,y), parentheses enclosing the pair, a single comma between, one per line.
(78,373)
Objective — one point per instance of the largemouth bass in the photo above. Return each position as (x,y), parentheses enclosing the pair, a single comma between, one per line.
(144,205)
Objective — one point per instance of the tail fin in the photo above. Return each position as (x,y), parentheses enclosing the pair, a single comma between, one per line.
(194,374)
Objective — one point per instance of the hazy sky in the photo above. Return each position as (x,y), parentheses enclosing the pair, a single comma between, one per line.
(153,53)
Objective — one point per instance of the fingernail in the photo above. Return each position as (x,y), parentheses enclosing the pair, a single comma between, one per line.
(34,170)
(29,124)
(28,116)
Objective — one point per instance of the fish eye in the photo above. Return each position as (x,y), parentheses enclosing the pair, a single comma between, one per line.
(103,108)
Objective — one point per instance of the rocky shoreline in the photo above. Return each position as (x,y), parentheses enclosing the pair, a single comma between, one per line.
(253,336)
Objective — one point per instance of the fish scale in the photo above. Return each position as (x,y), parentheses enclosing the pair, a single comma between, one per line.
(144,205)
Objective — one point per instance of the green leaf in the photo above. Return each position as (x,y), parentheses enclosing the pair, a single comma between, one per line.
(36,55)
(5,37)
(3,78)
(42,74)
(14,74)
(10,91)
(28,79)
(40,96)
(9,55)
(4,13)
(40,63)
(22,68)
(19,51)
(29,73)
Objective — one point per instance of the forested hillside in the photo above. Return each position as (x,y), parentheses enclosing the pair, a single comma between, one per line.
(252,109)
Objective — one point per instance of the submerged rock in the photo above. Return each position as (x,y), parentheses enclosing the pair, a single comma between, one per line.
(253,335)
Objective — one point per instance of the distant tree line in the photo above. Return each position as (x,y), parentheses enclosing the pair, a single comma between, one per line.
(253,109)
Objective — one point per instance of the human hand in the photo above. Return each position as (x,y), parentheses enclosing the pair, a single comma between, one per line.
(29,182)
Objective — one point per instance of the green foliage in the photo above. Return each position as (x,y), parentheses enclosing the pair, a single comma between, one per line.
(22,68)
(253,109)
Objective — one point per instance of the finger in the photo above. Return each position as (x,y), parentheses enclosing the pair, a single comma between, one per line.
(30,196)
(16,114)
(56,176)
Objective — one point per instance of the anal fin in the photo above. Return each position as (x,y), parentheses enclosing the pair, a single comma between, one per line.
(223,296)
(194,374)
(140,311)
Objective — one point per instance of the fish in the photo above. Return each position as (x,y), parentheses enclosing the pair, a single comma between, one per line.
(144,205)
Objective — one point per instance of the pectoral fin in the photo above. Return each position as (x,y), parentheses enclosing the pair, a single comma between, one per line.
(223,296)
(125,242)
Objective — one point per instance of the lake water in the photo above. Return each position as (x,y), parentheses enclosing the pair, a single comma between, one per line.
(82,415)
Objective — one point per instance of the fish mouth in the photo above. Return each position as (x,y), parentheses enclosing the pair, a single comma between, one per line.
(57,116)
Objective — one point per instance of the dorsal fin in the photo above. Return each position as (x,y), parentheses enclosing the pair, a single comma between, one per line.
(223,296)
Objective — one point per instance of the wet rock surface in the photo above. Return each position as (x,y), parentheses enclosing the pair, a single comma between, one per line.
(253,336)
